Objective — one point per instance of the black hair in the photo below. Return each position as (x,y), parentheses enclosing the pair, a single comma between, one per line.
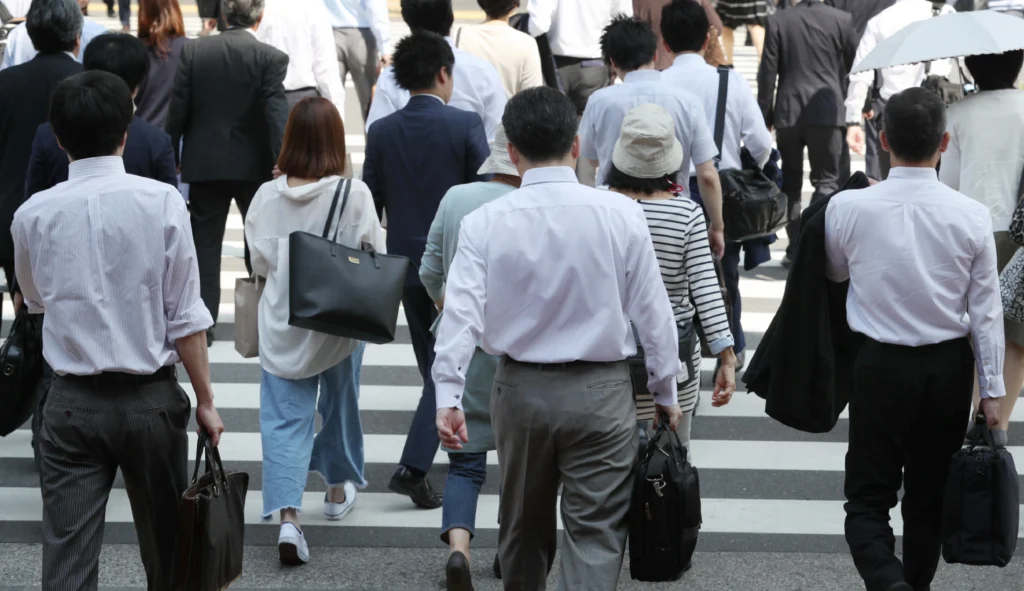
(418,58)
(54,25)
(995,71)
(242,13)
(616,179)
(120,54)
(629,43)
(497,8)
(541,123)
(436,16)
(90,113)
(684,26)
(915,121)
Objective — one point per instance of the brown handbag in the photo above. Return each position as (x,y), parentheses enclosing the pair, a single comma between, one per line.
(211,527)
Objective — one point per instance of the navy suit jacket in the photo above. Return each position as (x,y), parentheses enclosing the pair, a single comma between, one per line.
(147,153)
(413,157)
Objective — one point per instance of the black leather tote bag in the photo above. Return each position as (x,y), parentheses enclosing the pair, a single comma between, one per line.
(21,368)
(343,291)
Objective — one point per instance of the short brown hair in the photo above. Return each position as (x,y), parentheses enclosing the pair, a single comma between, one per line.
(314,141)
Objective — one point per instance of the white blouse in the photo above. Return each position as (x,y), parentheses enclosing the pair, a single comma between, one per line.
(276,211)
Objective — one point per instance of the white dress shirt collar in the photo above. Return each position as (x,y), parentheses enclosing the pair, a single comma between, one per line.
(642,76)
(549,174)
(914,173)
(433,96)
(689,60)
(98,166)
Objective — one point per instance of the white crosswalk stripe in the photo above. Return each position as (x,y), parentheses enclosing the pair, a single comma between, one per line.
(761,481)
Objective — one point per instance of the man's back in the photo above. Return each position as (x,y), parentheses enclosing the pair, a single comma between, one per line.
(607,108)
(229,105)
(861,10)
(412,158)
(810,49)
(743,121)
(24,105)
(573,26)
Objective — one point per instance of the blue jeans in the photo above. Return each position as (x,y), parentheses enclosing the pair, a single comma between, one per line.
(466,475)
(290,450)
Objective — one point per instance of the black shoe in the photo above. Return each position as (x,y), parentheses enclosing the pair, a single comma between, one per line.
(209,337)
(901,586)
(110,12)
(741,360)
(417,489)
(787,262)
(456,573)
(497,568)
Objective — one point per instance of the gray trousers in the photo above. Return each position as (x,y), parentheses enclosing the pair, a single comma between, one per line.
(576,425)
(87,434)
(358,55)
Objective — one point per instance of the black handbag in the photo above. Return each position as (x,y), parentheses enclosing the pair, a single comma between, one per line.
(211,525)
(343,291)
(753,206)
(664,511)
(981,509)
(948,92)
(1017,219)
(21,369)
(638,362)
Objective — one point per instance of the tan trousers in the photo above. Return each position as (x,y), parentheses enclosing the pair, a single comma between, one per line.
(573,424)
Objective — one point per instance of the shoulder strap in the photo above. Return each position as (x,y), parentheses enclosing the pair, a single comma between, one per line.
(347,184)
(723,95)
(458,38)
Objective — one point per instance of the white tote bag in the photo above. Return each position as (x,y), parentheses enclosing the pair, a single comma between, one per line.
(248,291)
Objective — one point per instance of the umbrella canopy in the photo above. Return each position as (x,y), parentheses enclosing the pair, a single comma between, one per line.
(951,35)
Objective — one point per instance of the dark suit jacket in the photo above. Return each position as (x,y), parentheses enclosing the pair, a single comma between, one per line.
(413,157)
(229,105)
(147,153)
(24,105)
(650,11)
(861,10)
(810,48)
(803,367)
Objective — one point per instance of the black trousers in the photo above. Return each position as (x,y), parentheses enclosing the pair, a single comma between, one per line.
(824,146)
(89,432)
(908,414)
(876,160)
(8,265)
(124,9)
(210,203)
(422,442)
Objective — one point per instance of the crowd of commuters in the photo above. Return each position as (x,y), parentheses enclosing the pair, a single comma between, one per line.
(609,183)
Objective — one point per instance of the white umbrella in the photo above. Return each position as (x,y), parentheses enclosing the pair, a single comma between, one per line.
(951,35)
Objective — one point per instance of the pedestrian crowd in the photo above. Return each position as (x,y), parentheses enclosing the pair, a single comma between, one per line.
(554,179)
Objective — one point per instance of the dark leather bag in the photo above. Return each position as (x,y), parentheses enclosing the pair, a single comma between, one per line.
(981,509)
(343,291)
(211,525)
(21,368)
(638,362)
(753,206)
(665,510)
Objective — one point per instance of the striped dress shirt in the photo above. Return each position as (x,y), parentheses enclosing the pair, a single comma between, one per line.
(109,257)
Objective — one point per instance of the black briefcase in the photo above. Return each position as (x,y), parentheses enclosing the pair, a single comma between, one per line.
(21,368)
(343,291)
(664,512)
(981,510)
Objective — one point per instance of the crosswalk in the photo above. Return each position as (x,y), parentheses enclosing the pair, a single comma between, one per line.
(765,487)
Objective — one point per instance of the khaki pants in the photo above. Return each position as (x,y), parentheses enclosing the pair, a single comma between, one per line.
(573,424)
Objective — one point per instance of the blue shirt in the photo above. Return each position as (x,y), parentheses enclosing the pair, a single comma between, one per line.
(361,14)
(20,48)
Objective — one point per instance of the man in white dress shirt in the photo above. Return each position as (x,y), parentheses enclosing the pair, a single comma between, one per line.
(574,30)
(630,48)
(924,290)
(300,28)
(890,81)
(478,87)
(362,29)
(556,302)
(122,308)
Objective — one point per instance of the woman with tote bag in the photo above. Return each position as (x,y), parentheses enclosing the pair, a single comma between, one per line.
(298,363)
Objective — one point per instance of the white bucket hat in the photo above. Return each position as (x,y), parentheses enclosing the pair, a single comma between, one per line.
(499,161)
(647,147)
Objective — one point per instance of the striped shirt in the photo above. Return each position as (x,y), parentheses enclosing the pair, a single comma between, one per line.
(680,238)
(109,257)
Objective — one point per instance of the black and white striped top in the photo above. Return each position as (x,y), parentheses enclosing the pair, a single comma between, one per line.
(680,238)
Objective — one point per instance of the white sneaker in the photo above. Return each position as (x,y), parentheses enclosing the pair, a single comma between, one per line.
(291,545)
(338,511)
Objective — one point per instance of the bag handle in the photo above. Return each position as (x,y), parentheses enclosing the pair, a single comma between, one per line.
(347,184)
(981,433)
(723,95)
(213,463)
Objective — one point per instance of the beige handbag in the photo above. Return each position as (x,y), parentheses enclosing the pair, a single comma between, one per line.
(248,291)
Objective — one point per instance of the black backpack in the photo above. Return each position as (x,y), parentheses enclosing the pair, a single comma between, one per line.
(664,514)
(981,509)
